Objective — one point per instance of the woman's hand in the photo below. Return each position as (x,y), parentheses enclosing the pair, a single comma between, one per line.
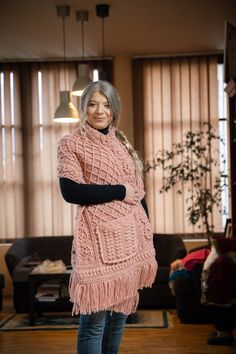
(131,196)
(177,264)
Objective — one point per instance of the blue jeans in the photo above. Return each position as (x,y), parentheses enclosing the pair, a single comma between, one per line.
(100,332)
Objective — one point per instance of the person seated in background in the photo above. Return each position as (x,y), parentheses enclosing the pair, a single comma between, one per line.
(218,284)
(219,289)
(188,262)
(181,268)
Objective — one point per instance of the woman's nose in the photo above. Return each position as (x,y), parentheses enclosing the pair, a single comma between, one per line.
(100,108)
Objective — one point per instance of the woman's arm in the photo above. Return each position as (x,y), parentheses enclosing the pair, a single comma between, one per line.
(88,194)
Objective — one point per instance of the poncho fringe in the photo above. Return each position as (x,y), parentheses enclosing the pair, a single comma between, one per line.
(111,293)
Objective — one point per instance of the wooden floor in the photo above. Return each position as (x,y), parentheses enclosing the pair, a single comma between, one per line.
(177,339)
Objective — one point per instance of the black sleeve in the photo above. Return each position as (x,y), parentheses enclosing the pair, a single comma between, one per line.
(88,194)
(145,207)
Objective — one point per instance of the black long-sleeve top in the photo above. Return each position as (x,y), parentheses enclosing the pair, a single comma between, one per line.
(90,194)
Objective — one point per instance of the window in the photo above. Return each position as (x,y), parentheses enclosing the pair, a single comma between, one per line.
(223,132)
(30,199)
(171,97)
(11,156)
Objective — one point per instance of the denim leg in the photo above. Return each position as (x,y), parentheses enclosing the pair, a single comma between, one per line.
(114,328)
(91,328)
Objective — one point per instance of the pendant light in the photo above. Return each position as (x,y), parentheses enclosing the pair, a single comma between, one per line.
(66,112)
(83,68)
(102,11)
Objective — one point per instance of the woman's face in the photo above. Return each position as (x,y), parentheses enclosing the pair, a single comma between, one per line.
(99,114)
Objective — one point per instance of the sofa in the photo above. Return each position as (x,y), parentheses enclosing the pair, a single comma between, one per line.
(188,298)
(168,248)
(23,253)
(188,292)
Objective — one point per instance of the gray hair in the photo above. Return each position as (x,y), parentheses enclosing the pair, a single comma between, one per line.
(107,90)
(113,98)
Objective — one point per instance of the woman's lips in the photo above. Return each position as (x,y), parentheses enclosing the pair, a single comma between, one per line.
(99,118)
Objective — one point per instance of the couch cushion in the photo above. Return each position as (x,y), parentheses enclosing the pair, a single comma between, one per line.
(162,276)
(168,248)
(53,248)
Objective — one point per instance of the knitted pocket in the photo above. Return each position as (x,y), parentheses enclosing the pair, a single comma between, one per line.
(118,239)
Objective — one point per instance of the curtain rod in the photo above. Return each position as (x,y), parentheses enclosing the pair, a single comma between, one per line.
(48,60)
(178,55)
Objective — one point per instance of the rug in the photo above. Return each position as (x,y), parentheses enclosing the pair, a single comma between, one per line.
(64,321)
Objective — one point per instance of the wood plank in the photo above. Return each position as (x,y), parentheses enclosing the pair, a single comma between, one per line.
(177,339)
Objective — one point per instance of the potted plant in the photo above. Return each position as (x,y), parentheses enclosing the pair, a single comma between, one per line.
(190,162)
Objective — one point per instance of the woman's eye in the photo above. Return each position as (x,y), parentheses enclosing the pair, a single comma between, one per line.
(91,104)
(106,105)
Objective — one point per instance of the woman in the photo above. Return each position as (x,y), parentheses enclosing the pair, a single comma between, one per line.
(112,254)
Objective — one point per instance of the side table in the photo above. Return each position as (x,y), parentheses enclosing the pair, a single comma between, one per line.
(35,280)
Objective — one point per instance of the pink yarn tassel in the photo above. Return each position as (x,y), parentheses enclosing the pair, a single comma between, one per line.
(120,294)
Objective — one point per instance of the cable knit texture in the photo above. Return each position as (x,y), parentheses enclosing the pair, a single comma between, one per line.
(112,254)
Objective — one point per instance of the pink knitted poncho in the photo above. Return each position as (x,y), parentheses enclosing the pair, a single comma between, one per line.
(112,253)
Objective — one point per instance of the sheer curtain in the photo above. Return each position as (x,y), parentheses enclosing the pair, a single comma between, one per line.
(47,213)
(171,97)
(11,155)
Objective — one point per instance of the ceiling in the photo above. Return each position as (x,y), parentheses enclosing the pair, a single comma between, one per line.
(30,29)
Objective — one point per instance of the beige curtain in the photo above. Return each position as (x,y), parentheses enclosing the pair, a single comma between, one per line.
(48,214)
(171,97)
(30,199)
(11,155)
